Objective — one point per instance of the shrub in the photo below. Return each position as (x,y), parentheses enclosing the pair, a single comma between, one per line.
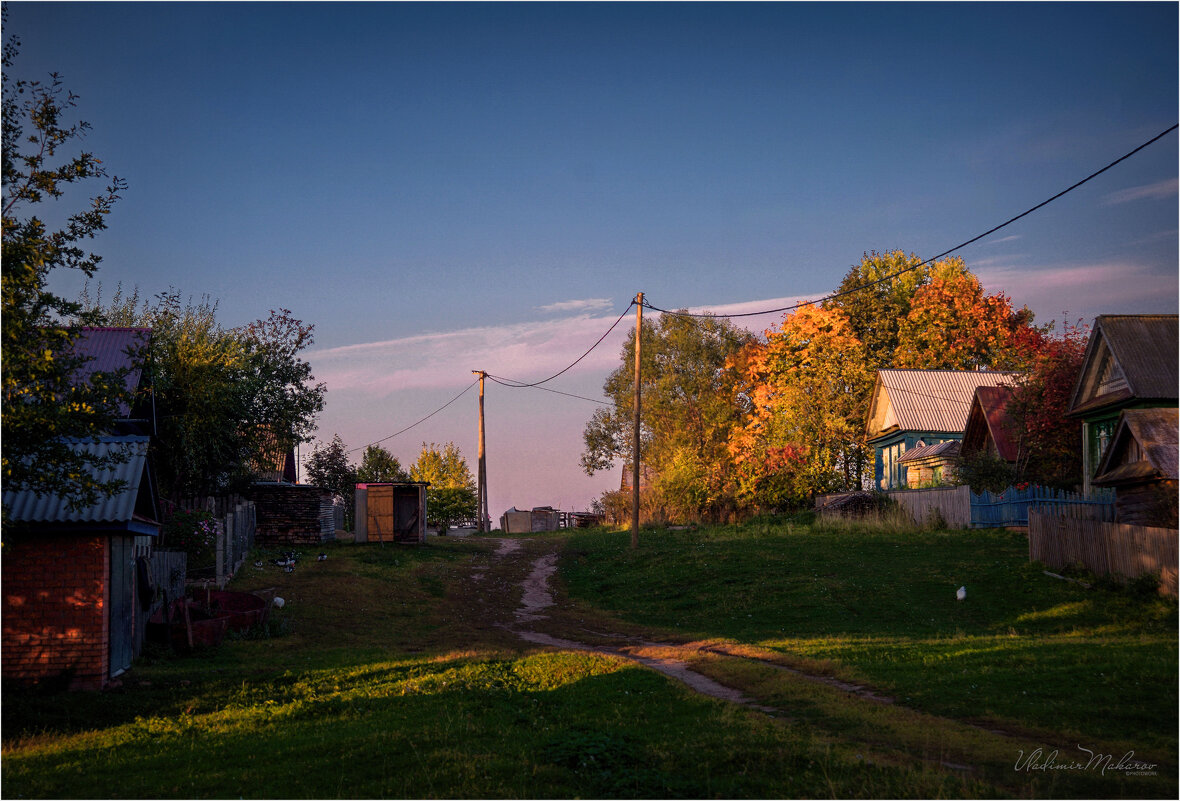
(195,533)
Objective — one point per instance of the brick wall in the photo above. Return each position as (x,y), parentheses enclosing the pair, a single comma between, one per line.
(287,514)
(55,625)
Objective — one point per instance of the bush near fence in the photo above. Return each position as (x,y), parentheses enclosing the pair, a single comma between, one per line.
(1104,548)
(236,523)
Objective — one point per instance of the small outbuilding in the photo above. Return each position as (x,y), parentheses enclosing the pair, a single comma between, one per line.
(1141,464)
(394,512)
(76,587)
(930,465)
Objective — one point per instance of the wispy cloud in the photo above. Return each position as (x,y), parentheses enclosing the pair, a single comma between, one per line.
(525,350)
(1156,191)
(1083,289)
(586,306)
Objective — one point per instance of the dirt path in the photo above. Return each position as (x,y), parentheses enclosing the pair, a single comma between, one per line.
(537,596)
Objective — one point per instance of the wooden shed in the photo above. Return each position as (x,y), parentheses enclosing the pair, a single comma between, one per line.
(391,512)
(1141,464)
(930,465)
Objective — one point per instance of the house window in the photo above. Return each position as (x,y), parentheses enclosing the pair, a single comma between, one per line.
(1100,434)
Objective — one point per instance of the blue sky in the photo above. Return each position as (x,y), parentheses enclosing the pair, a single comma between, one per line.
(448,187)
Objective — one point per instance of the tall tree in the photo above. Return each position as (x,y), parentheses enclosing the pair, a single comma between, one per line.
(444,467)
(451,494)
(953,324)
(1050,450)
(225,398)
(45,403)
(875,296)
(380,466)
(328,467)
(806,389)
(688,413)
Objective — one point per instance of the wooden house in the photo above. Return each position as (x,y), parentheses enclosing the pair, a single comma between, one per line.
(75,590)
(989,428)
(908,407)
(394,512)
(1130,363)
(1141,464)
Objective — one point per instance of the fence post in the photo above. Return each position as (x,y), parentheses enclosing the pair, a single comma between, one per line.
(226,527)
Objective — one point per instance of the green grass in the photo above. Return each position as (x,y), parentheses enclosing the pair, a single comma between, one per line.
(1024,650)
(389,672)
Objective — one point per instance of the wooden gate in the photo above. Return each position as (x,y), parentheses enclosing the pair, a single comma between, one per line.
(379,513)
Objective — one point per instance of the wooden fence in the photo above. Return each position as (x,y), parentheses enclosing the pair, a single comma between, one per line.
(952,504)
(1104,548)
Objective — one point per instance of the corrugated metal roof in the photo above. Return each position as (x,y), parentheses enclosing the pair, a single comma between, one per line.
(930,400)
(110,349)
(943,449)
(1146,349)
(25,506)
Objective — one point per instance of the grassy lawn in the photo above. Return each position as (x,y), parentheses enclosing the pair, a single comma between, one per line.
(1023,652)
(391,672)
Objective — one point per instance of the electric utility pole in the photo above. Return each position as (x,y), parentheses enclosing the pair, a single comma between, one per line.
(482,470)
(635,443)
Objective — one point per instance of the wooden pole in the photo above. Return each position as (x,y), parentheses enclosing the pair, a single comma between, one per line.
(482,469)
(635,455)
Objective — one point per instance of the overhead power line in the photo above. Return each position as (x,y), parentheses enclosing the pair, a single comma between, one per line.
(422,420)
(509,382)
(933,259)
(519,385)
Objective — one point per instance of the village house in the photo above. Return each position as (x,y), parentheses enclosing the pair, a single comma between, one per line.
(75,588)
(915,408)
(1130,363)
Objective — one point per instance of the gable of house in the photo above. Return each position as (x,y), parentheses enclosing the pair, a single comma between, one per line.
(108,349)
(989,427)
(1129,358)
(1144,448)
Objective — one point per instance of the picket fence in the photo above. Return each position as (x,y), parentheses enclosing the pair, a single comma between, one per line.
(1103,548)
(1011,507)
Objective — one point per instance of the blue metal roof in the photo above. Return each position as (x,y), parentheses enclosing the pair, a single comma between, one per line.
(25,506)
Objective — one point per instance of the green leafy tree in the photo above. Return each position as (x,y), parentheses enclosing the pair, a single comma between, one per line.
(225,398)
(443,467)
(45,402)
(328,467)
(380,466)
(875,296)
(688,413)
(451,495)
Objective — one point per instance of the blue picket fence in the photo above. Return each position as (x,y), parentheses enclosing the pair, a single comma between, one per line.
(1010,507)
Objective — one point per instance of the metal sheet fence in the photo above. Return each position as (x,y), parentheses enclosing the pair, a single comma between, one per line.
(1104,548)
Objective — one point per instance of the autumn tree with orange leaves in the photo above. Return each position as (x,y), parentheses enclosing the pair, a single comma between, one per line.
(806,389)
(952,324)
